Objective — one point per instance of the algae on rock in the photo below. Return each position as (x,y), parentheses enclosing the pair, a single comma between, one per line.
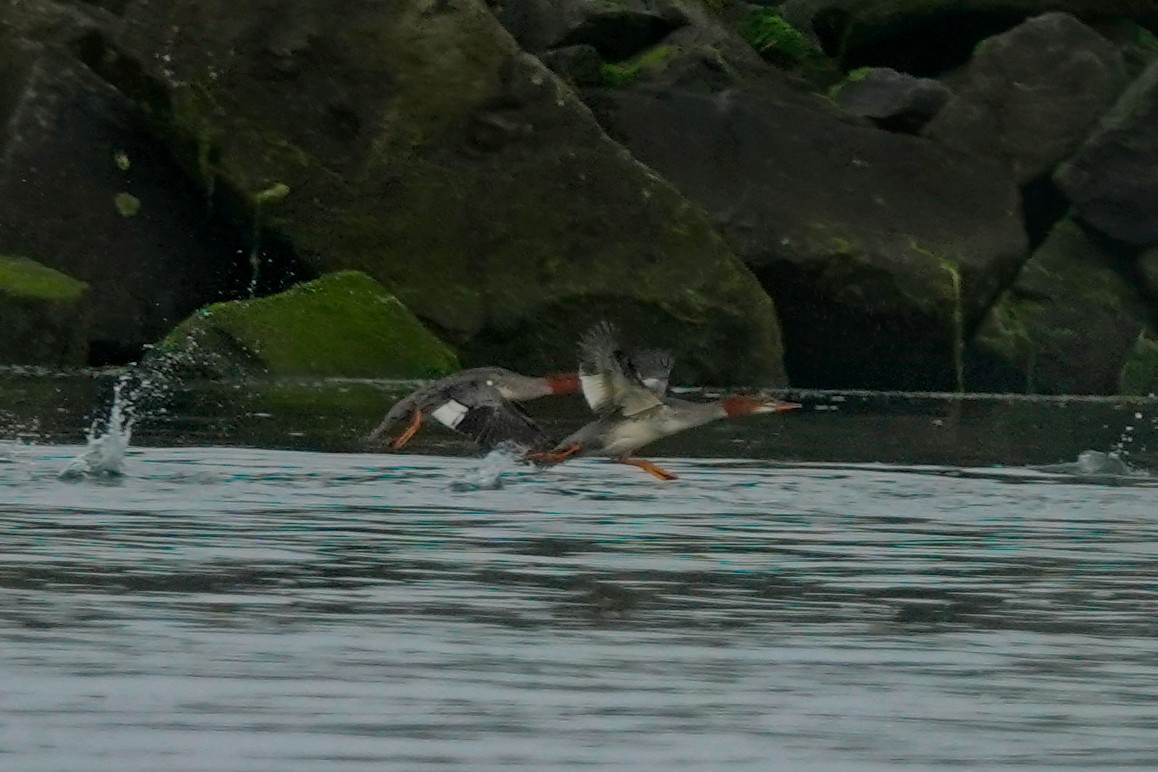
(343,324)
(43,315)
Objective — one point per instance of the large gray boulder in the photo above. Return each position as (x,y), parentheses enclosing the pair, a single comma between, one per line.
(1067,325)
(415,142)
(1031,95)
(879,248)
(1112,180)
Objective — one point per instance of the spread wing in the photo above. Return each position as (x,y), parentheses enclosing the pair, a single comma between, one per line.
(483,415)
(610,383)
(653,367)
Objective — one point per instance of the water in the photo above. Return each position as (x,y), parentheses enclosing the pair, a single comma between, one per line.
(991,603)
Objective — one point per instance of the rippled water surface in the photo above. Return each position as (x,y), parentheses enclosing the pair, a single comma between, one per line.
(225,608)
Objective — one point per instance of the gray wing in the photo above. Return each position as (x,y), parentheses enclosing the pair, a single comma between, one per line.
(430,396)
(653,368)
(483,415)
(609,381)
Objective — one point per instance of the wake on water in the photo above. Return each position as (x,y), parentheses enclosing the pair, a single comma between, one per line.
(505,461)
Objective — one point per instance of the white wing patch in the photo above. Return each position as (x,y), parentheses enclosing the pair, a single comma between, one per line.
(595,390)
(450,413)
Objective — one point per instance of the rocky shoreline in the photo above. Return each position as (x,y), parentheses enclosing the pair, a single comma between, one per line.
(880,194)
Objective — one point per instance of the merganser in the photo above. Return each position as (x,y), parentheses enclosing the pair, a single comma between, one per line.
(481,403)
(632,415)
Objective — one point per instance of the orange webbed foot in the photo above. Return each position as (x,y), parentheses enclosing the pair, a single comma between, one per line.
(547,457)
(649,467)
(412,427)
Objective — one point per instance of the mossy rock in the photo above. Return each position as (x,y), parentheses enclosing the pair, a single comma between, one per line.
(475,184)
(1140,373)
(343,324)
(629,70)
(43,315)
(1066,326)
(780,43)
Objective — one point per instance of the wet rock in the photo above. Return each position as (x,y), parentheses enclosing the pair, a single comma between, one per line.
(417,143)
(1112,180)
(879,248)
(86,189)
(1140,373)
(893,100)
(1066,325)
(43,315)
(616,30)
(343,324)
(1031,95)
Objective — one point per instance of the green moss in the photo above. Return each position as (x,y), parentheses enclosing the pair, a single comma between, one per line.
(1140,372)
(623,73)
(342,324)
(275,192)
(774,38)
(1146,40)
(784,46)
(24,278)
(127,204)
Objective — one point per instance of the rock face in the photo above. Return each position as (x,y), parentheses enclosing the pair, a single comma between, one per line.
(1031,95)
(343,324)
(1066,325)
(85,189)
(893,100)
(879,248)
(414,141)
(43,316)
(1112,180)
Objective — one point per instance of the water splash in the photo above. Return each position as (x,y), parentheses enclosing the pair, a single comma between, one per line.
(108,440)
(504,461)
(142,389)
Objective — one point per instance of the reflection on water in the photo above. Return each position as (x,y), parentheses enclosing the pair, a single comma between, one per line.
(246,609)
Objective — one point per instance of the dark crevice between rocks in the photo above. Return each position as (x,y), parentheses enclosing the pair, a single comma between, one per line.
(619,37)
(830,346)
(229,217)
(926,45)
(1042,206)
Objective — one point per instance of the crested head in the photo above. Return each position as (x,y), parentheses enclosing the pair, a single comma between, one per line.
(737,405)
(562,383)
